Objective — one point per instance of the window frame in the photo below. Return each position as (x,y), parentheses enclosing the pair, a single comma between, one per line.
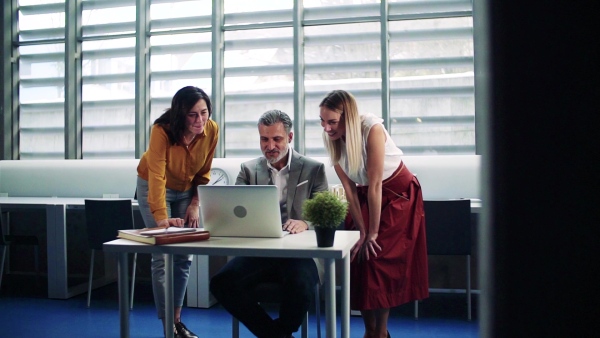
(217,24)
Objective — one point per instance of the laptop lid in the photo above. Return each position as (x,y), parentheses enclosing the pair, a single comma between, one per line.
(240,210)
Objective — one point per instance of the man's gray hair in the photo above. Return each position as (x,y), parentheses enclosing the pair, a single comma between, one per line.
(274,116)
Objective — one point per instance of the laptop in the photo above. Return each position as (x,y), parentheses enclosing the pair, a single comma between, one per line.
(240,210)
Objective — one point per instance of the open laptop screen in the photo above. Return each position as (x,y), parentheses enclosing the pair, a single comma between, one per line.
(240,210)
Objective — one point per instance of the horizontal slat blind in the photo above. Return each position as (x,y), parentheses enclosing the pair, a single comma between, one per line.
(430,69)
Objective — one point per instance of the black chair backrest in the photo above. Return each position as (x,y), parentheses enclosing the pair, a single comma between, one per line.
(104,218)
(448,227)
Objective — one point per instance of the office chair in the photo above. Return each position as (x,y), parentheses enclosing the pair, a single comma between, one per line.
(271,293)
(103,219)
(448,231)
(25,240)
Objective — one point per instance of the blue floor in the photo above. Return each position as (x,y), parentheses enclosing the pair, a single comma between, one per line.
(25,312)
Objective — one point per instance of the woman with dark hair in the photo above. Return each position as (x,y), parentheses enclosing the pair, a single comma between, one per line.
(178,159)
(389,261)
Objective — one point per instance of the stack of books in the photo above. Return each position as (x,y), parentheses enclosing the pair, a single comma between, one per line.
(159,236)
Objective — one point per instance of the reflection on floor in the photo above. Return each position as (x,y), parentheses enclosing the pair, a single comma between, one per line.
(26,312)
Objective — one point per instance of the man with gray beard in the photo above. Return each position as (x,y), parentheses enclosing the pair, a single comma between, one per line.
(297,178)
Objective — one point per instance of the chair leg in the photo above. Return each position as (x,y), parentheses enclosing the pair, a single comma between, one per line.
(36,251)
(235,327)
(416,309)
(469,286)
(89,294)
(318,308)
(133,280)
(304,327)
(2,264)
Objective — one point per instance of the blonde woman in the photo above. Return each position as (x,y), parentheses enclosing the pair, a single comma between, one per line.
(389,262)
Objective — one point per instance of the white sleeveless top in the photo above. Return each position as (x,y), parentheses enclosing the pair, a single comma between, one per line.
(393,154)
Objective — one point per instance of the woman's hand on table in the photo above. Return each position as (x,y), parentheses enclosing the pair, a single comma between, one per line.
(294,226)
(170,222)
(192,216)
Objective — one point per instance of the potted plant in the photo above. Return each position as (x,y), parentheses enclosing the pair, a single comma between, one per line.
(325,211)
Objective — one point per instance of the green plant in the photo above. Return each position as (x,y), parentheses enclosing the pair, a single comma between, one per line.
(325,210)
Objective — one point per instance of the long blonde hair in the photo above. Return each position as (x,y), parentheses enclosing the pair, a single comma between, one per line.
(344,103)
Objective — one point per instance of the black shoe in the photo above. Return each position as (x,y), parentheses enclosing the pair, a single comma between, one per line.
(181,331)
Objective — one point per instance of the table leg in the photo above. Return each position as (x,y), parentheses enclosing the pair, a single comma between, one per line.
(123,294)
(56,229)
(345,294)
(169,303)
(330,297)
(198,293)
(58,278)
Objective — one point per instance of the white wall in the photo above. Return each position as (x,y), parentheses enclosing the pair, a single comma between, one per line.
(441,176)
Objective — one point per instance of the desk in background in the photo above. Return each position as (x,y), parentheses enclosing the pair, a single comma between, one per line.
(56,228)
(302,245)
(198,294)
(55,208)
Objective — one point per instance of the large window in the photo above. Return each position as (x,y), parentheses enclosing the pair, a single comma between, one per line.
(180,50)
(108,80)
(431,79)
(413,67)
(258,77)
(41,93)
(340,56)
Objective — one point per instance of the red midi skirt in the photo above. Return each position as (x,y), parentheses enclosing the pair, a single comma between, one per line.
(399,273)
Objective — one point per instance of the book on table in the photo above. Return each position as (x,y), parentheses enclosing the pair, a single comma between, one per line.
(159,236)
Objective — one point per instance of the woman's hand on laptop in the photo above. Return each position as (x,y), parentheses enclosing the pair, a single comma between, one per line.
(295,226)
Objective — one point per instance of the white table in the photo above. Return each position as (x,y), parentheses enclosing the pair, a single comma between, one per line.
(476,206)
(56,238)
(56,229)
(303,245)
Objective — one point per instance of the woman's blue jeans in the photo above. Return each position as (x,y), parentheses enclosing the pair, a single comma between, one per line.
(177,203)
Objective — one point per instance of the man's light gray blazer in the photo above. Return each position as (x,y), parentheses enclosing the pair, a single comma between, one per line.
(307,177)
